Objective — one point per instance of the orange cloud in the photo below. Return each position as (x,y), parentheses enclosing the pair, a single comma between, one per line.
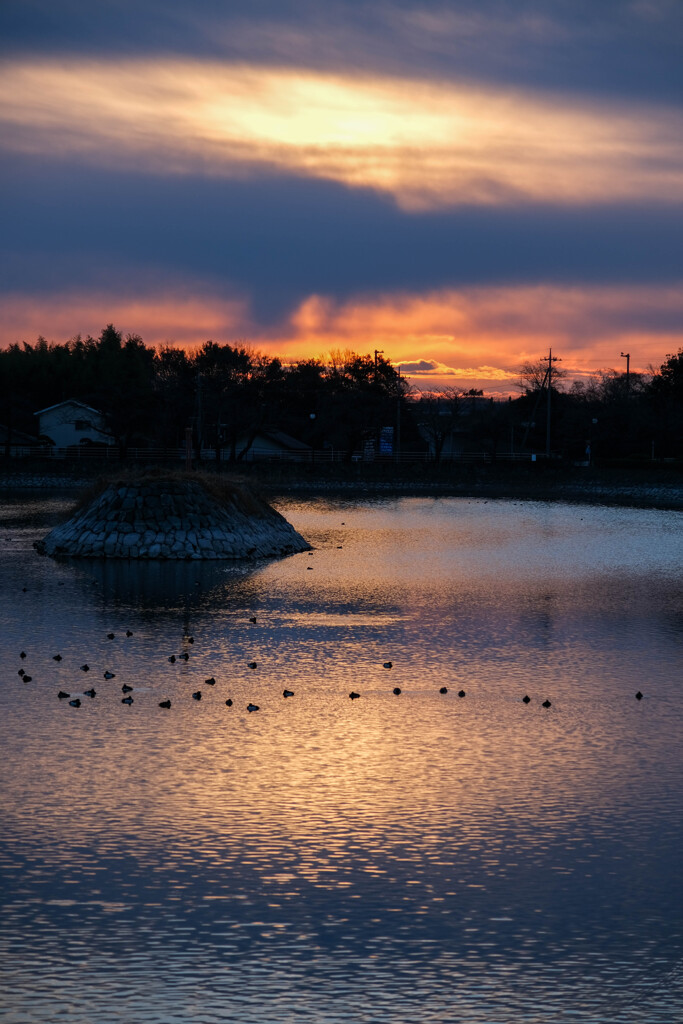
(426,144)
(475,337)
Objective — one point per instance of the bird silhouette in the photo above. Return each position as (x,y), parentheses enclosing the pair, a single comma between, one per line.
(197,695)
(110,636)
(62,695)
(210,682)
(287,693)
(229,702)
(444,689)
(109,675)
(75,703)
(252,664)
(388,664)
(164,703)
(85,668)
(126,688)
(56,657)
(253,707)
(89,693)
(172,659)
(546,704)
(127,700)
(353,695)
(397,690)
(526,699)
(461,693)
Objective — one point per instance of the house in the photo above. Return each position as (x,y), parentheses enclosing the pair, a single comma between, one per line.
(72,423)
(272,444)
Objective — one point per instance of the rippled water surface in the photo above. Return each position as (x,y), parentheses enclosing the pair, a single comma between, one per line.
(419,857)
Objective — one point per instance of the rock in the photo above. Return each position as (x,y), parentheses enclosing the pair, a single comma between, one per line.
(178,516)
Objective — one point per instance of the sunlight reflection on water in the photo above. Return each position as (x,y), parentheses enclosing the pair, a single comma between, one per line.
(413,857)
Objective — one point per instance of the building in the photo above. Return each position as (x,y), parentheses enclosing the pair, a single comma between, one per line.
(72,423)
(272,444)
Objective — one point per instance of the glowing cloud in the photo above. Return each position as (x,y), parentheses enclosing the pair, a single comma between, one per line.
(426,144)
(476,337)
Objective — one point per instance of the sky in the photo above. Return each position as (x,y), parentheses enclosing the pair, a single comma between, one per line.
(460,185)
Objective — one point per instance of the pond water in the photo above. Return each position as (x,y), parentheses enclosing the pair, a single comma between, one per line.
(413,857)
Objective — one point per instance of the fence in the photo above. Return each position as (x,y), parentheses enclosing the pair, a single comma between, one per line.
(112,454)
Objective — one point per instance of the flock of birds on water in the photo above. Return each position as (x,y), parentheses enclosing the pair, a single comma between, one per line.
(75,701)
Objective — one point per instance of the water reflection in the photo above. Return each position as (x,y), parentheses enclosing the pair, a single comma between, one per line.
(396,858)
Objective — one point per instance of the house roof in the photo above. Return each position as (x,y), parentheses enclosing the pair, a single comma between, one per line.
(285,440)
(69,401)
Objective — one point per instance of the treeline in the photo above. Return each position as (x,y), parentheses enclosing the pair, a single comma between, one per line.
(228,394)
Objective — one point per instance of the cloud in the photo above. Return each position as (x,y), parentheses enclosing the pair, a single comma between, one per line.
(612,47)
(427,145)
(471,337)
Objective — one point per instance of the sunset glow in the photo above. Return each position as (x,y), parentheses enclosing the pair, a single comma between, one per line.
(466,338)
(459,189)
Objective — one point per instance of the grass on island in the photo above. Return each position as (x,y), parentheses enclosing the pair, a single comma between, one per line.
(230,492)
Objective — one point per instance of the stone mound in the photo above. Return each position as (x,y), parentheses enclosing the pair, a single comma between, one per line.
(173,518)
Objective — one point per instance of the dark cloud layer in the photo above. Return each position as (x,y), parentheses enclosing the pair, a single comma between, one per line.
(611,47)
(282,239)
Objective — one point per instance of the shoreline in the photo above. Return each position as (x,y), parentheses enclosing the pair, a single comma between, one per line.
(643,487)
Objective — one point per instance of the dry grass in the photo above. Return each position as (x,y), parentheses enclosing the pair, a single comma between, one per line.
(227,491)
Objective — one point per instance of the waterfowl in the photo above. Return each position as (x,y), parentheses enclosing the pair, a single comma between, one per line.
(190,639)
(639,695)
(126,688)
(461,693)
(185,656)
(388,664)
(172,659)
(546,704)
(109,675)
(21,672)
(89,693)
(253,618)
(288,693)
(228,703)
(310,568)
(85,668)
(444,689)
(62,695)
(129,632)
(526,699)
(353,695)
(110,636)
(127,700)
(75,703)
(164,703)
(252,664)
(197,695)
(27,679)
(23,654)
(397,690)
(210,682)
(253,707)
(339,547)
(56,657)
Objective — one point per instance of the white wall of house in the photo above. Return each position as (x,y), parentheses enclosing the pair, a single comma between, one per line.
(70,423)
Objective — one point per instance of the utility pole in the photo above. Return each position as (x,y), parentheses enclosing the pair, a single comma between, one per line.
(397,444)
(627,357)
(549,377)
